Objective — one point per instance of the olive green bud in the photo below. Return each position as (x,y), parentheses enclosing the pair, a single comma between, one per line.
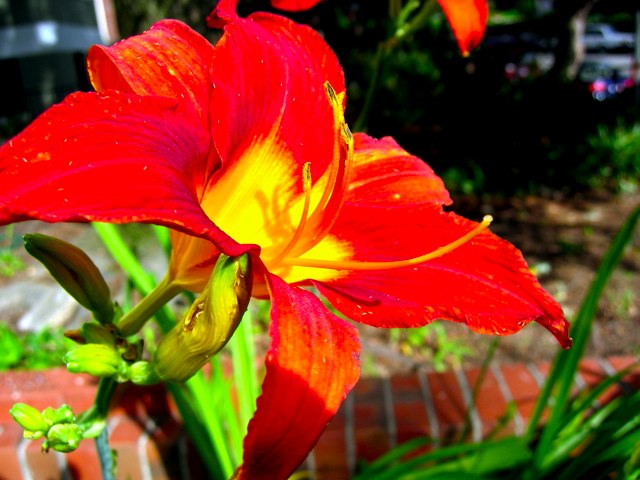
(209,323)
(29,418)
(95,359)
(75,272)
(64,437)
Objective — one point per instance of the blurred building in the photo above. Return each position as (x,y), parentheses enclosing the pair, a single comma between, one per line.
(43,46)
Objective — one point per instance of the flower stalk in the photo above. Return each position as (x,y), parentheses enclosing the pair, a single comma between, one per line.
(133,321)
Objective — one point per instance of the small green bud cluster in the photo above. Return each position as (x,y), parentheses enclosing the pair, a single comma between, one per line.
(205,329)
(102,352)
(57,426)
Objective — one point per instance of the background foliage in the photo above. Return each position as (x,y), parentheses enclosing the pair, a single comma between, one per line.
(541,132)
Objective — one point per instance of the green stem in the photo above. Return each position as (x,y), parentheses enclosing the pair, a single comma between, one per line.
(97,414)
(403,28)
(418,21)
(384,48)
(105,455)
(106,389)
(134,320)
(100,408)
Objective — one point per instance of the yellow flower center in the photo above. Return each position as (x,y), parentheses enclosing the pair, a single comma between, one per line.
(263,198)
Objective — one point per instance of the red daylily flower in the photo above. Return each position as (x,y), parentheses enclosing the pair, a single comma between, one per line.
(242,147)
(468,18)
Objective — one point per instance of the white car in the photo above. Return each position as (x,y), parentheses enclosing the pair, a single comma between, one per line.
(602,37)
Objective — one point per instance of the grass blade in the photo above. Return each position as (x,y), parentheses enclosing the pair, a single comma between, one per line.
(566,363)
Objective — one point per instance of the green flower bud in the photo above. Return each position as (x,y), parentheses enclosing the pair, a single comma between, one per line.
(64,437)
(75,272)
(94,359)
(209,323)
(29,418)
(98,333)
(143,373)
(62,414)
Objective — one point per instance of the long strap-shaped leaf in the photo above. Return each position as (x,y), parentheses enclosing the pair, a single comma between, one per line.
(564,367)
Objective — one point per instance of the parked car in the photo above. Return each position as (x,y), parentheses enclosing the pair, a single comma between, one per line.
(603,81)
(603,37)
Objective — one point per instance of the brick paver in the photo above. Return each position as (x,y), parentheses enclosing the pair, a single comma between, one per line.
(379,413)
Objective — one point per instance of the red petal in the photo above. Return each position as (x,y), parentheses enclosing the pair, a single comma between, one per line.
(223,13)
(311,365)
(484,283)
(107,157)
(468,20)
(169,60)
(384,173)
(269,80)
(294,5)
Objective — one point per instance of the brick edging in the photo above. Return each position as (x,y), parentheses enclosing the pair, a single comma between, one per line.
(378,414)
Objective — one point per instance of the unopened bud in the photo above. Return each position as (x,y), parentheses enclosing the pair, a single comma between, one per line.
(94,359)
(75,272)
(143,373)
(62,414)
(64,437)
(209,323)
(29,418)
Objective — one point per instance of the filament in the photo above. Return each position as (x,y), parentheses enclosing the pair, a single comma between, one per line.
(306,188)
(393,264)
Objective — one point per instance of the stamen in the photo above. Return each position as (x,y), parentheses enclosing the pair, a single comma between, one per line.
(306,188)
(326,210)
(335,167)
(393,264)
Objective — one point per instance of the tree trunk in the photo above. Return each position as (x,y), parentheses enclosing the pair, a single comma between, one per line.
(569,25)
